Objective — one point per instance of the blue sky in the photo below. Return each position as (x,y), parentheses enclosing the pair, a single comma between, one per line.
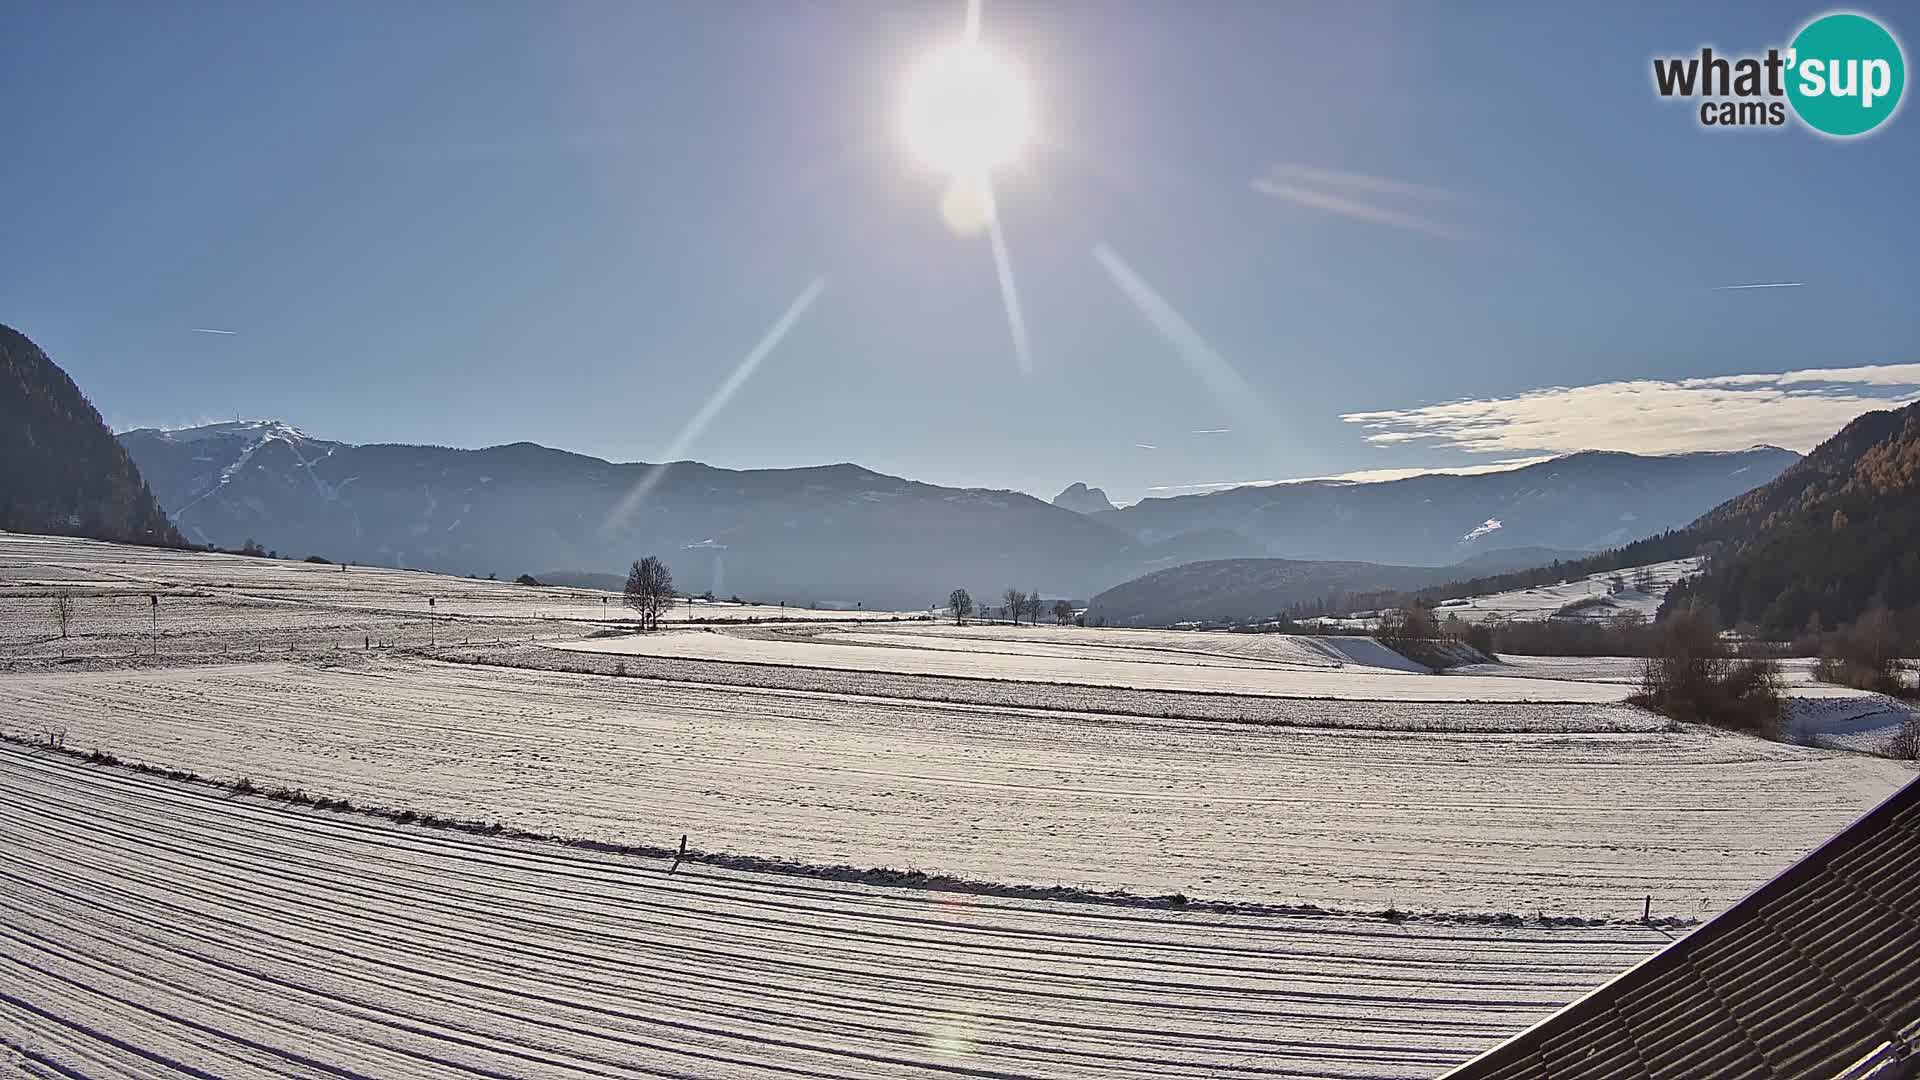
(474,223)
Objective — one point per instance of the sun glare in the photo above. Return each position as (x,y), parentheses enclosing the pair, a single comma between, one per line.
(967,111)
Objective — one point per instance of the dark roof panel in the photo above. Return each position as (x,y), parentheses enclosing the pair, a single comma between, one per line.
(1807,976)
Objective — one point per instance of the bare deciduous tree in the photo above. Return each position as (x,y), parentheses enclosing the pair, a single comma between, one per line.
(63,612)
(649,591)
(1033,607)
(959,605)
(1062,612)
(1016,603)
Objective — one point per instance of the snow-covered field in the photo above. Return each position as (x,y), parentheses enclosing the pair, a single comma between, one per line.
(151,928)
(111,582)
(1571,824)
(1854,720)
(1596,588)
(1263,709)
(1146,646)
(1795,672)
(1073,659)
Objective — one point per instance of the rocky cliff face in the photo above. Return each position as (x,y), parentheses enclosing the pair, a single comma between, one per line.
(1082,499)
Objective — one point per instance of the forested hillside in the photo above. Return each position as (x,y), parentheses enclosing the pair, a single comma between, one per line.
(1830,539)
(61,470)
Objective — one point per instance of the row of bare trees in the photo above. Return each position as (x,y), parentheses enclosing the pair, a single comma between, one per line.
(1016,605)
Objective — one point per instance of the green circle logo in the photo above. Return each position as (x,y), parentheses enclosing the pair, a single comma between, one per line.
(1846,73)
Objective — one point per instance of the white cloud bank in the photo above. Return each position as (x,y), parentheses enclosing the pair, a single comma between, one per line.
(1794,409)
(1359,476)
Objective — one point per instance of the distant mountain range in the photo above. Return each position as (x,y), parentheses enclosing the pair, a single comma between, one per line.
(834,533)
(60,469)
(842,533)
(1586,501)
(1833,537)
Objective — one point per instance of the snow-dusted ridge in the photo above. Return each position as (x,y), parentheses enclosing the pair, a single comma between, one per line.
(255,429)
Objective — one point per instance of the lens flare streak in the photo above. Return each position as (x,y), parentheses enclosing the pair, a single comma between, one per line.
(1220,377)
(718,401)
(1003,268)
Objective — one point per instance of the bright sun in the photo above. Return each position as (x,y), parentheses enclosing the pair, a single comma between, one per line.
(966,110)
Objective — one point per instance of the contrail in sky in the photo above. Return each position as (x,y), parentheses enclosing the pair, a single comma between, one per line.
(1213,431)
(210,330)
(699,421)
(1146,446)
(1762,285)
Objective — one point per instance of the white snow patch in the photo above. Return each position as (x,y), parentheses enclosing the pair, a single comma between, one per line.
(1483,529)
(1860,721)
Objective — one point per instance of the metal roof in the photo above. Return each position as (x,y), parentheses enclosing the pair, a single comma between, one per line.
(1814,974)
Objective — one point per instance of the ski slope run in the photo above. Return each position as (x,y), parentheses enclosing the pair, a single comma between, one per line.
(151,929)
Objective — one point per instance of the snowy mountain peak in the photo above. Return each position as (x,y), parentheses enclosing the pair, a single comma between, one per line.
(252,430)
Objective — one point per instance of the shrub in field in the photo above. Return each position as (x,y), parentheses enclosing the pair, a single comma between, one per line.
(1906,741)
(1690,676)
(1864,654)
(1625,634)
(1585,603)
